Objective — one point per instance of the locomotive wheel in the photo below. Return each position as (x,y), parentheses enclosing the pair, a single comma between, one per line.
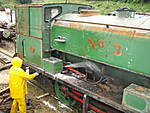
(66,99)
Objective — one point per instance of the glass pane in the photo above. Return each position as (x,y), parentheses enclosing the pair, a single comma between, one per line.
(47,14)
(54,12)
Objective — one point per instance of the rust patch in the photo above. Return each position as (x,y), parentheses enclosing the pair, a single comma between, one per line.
(105,87)
(23,7)
(20,56)
(142,35)
(92,23)
(30,36)
(35,6)
(101,28)
(75,25)
(133,34)
(85,13)
(122,30)
(141,89)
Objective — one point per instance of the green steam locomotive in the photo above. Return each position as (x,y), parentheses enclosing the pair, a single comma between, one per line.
(98,62)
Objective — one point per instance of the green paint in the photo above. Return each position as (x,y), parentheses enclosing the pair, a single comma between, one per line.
(137,97)
(53,65)
(135,102)
(32,49)
(36,22)
(23,21)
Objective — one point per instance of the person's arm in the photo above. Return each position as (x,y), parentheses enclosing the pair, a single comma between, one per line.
(26,76)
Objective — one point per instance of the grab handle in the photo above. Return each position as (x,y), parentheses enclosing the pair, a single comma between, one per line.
(60,39)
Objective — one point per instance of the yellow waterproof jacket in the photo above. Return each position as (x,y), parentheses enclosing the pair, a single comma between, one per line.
(18,81)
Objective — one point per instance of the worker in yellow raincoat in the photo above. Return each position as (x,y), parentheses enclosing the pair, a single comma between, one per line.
(18,85)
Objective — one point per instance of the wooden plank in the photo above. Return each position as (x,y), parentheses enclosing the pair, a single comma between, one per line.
(42,96)
(4,90)
(10,54)
(5,66)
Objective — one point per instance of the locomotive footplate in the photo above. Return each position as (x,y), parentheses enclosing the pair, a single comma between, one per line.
(98,92)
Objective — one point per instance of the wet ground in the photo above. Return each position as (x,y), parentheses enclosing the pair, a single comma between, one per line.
(48,104)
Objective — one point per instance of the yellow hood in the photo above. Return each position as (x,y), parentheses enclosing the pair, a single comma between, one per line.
(17,62)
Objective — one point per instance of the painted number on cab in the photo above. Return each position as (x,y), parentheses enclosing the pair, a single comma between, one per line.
(101,44)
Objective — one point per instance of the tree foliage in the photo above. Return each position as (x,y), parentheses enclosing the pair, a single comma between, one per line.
(125,1)
(24,1)
(12,3)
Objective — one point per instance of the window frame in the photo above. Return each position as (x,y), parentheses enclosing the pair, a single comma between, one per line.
(55,7)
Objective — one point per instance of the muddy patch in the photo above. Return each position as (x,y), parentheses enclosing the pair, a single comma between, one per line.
(48,104)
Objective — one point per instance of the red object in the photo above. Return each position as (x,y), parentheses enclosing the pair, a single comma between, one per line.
(77,72)
(32,49)
(77,93)
(96,109)
(81,100)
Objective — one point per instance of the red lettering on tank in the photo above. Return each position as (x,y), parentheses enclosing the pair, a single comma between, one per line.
(92,43)
(119,49)
(99,44)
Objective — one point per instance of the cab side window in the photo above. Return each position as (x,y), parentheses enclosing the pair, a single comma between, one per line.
(51,12)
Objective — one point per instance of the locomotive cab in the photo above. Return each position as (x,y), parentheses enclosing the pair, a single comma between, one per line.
(35,21)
